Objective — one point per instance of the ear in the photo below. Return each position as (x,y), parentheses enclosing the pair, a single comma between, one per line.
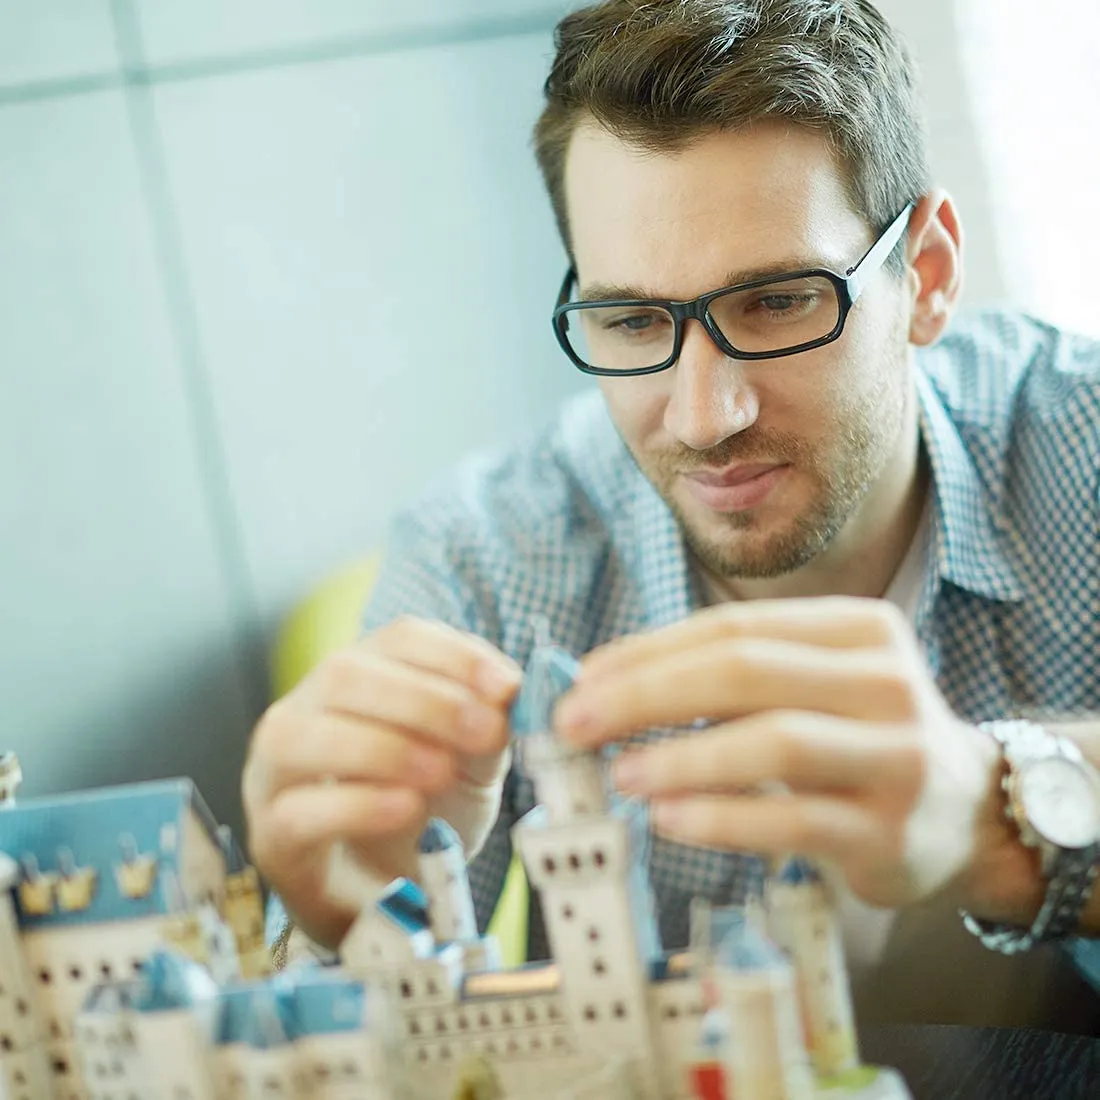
(934,262)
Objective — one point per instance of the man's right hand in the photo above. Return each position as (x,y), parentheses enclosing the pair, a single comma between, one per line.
(411,717)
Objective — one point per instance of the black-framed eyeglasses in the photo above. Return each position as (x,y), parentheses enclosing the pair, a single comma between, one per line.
(766,319)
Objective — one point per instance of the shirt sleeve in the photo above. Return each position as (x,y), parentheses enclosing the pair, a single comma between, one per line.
(428,574)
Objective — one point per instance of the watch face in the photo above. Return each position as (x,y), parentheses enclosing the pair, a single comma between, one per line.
(1062,801)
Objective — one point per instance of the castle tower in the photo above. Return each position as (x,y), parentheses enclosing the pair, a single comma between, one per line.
(802,921)
(569,782)
(170,1037)
(765,1056)
(443,878)
(24,1070)
(584,863)
(449,901)
(244,908)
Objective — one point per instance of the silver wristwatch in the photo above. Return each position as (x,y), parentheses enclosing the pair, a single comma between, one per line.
(1053,797)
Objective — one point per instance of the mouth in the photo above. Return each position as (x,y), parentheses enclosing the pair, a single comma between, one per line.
(735,488)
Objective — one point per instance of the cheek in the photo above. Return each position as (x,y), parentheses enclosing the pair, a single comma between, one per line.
(636,405)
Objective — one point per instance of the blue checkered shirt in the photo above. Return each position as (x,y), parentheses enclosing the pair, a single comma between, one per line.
(568,529)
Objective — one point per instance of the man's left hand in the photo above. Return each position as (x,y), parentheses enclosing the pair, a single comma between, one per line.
(829,738)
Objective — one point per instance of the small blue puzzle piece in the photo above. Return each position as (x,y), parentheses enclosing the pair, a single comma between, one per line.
(798,871)
(551,672)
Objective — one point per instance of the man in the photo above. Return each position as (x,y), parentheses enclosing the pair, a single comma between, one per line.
(785,513)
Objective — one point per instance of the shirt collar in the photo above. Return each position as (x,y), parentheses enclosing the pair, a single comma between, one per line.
(971,550)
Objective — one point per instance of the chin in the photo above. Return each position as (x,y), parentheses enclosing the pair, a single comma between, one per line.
(763,543)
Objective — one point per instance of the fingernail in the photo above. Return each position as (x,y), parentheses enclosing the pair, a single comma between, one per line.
(628,772)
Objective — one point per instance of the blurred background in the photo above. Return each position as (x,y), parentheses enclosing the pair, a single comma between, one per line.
(268,267)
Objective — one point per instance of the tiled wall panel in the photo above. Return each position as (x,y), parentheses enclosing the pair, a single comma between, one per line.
(186,31)
(118,654)
(374,265)
(43,40)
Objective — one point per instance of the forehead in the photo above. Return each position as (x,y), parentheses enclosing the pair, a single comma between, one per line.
(678,221)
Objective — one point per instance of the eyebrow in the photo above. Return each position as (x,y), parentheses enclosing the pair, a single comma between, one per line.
(610,292)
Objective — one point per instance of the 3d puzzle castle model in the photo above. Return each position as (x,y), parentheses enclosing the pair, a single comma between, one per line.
(132,963)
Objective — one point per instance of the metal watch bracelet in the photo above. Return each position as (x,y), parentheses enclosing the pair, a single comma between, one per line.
(1074,872)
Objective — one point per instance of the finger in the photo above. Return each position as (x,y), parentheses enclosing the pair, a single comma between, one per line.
(343,748)
(726,679)
(438,647)
(769,824)
(309,819)
(838,622)
(800,749)
(369,685)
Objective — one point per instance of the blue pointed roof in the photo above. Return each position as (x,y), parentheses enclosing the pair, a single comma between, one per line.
(438,836)
(170,981)
(550,673)
(99,829)
(798,871)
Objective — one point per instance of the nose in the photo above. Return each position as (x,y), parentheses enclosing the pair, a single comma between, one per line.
(711,399)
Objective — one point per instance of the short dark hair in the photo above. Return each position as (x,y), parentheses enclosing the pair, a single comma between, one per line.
(659,73)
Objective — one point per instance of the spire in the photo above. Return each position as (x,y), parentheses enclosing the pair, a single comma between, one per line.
(798,871)
(569,781)
(438,836)
(550,674)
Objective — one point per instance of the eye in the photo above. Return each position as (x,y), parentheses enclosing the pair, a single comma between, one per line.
(633,322)
(786,303)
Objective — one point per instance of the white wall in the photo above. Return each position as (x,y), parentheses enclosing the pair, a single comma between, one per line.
(954,150)
(266,267)
(1034,84)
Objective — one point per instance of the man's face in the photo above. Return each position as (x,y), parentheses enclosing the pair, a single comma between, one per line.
(821,429)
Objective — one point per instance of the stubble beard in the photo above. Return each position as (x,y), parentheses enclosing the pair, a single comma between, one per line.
(865,433)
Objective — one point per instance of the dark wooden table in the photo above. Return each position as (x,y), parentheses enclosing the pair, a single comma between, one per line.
(987,1063)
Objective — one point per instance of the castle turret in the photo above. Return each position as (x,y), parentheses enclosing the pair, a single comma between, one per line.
(766,1058)
(170,1036)
(802,921)
(444,880)
(588,866)
(569,782)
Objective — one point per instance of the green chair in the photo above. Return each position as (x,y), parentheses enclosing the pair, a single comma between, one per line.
(326,619)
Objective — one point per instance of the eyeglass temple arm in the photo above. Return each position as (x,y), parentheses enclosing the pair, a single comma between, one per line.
(859,275)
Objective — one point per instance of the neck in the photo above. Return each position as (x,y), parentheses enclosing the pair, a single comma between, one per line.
(864,557)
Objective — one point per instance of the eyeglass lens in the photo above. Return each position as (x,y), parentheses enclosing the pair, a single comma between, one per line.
(774,317)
